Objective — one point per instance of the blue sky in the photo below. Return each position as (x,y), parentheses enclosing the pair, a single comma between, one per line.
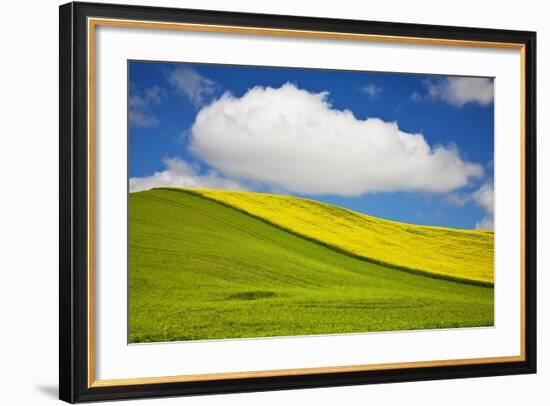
(406,147)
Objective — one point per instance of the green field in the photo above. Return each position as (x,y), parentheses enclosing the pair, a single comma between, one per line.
(199,269)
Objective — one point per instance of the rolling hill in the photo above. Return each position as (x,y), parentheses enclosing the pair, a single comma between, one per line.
(200,269)
(463,255)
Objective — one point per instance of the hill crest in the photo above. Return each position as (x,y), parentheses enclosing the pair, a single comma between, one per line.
(454,254)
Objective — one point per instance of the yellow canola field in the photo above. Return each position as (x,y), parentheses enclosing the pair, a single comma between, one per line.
(462,255)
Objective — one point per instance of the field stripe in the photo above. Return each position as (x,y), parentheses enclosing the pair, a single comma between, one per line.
(333,247)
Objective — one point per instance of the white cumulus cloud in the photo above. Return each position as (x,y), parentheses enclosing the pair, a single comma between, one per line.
(484,197)
(459,91)
(193,86)
(179,173)
(294,140)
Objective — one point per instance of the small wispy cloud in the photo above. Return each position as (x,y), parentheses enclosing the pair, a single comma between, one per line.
(457,91)
(484,197)
(372,90)
(142,119)
(179,173)
(140,106)
(458,199)
(196,88)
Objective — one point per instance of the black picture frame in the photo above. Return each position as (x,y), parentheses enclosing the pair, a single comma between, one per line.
(74,200)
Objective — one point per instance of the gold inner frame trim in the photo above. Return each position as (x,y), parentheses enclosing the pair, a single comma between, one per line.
(94,22)
(298,371)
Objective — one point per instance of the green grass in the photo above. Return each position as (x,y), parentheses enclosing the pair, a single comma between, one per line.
(201,270)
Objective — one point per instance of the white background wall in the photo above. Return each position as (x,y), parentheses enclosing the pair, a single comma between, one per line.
(29,189)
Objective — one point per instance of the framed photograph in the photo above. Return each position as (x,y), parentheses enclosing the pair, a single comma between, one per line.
(258,202)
